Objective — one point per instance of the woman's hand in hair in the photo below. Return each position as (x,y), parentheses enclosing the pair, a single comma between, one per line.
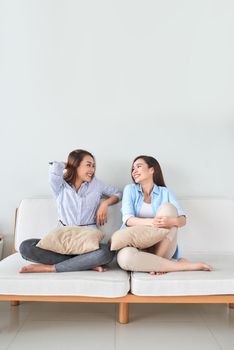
(101,215)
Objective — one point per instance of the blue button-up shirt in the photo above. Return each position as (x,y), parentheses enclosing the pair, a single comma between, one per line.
(78,207)
(133,198)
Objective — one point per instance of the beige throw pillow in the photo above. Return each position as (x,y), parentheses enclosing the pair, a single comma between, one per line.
(137,236)
(71,240)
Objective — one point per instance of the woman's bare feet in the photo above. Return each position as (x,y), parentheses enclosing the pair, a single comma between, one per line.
(181,265)
(100,269)
(37,268)
(185,265)
(50,268)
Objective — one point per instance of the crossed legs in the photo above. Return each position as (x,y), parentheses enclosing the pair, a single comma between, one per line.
(157,259)
(48,261)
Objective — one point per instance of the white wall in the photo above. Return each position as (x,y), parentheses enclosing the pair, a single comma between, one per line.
(118,78)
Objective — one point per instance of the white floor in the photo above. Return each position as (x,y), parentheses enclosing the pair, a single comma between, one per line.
(64,326)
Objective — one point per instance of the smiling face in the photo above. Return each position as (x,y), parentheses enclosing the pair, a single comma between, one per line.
(86,170)
(141,172)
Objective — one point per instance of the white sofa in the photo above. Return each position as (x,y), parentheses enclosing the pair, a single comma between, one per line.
(208,236)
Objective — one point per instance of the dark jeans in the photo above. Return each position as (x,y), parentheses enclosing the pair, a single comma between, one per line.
(65,263)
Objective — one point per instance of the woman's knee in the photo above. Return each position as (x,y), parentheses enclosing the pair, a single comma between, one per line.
(25,247)
(167,209)
(125,257)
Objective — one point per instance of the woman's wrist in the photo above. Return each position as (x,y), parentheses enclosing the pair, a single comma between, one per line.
(111,200)
(105,203)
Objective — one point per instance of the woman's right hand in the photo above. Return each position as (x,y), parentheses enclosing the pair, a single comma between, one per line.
(165,222)
(101,215)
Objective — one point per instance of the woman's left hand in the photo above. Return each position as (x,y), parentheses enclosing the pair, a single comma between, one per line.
(165,221)
(101,215)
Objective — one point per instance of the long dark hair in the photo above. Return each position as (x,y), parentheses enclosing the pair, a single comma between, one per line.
(152,163)
(73,161)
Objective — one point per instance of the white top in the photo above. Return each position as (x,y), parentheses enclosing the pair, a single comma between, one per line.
(146,210)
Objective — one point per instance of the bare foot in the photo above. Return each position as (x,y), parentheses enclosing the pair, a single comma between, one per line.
(188,266)
(156,273)
(37,268)
(100,269)
(204,267)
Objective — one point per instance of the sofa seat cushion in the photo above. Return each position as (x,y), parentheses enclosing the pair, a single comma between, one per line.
(218,281)
(110,284)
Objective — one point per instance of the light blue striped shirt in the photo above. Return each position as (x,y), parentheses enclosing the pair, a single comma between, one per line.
(133,198)
(78,207)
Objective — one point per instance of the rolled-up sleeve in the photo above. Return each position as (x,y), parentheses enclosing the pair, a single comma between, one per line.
(127,204)
(173,201)
(56,176)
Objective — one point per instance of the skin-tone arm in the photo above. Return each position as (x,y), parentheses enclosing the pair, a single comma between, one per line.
(158,221)
(101,215)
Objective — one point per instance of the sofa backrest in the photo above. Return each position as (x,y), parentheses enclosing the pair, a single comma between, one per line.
(210,223)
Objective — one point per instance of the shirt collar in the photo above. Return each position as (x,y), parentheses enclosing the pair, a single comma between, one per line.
(155,189)
(84,184)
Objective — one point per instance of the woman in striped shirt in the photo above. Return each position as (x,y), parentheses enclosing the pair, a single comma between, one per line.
(78,195)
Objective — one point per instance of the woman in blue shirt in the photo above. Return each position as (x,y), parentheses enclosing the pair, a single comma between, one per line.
(148,202)
(78,195)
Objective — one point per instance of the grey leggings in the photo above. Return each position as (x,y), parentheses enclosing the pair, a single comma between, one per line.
(65,263)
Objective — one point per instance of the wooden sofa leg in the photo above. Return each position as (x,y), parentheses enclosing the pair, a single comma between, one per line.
(15,303)
(123,313)
(231,306)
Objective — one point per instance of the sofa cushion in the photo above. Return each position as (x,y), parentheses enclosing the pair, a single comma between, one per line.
(137,236)
(218,281)
(110,284)
(71,240)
